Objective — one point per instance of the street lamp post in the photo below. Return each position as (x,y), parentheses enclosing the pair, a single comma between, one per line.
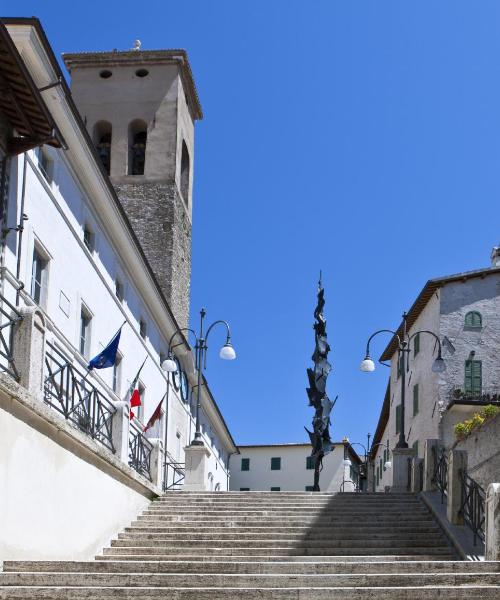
(368,366)
(226,353)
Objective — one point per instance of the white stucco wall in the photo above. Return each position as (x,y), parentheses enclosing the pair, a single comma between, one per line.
(293,475)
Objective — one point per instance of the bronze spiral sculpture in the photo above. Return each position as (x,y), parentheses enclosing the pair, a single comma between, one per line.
(318,398)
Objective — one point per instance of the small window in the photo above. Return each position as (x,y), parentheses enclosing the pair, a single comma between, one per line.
(105,74)
(119,290)
(474,320)
(415,399)
(185,173)
(88,238)
(398,418)
(46,164)
(244,489)
(137,147)
(85,331)
(400,366)
(473,377)
(142,73)
(143,329)
(39,272)
(415,447)
(275,489)
(245,464)
(416,344)
(310,462)
(102,140)
(117,374)
(309,488)
(276,464)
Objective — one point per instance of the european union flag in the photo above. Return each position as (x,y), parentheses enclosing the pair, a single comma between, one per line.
(107,357)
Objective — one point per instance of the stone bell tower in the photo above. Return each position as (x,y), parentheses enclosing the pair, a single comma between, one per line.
(140,108)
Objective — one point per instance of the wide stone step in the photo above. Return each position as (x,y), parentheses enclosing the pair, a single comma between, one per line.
(259,581)
(306,593)
(228,529)
(201,559)
(352,513)
(284,567)
(220,521)
(333,550)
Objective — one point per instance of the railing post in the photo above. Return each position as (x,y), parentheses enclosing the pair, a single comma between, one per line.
(196,468)
(28,349)
(157,458)
(400,472)
(457,464)
(120,433)
(430,455)
(492,528)
(416,475)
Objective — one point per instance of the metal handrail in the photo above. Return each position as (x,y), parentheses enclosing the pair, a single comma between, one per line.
(140,449)
(473,505)
(6,336)
(67,391)
(485,394)
(177,472)
(440,477)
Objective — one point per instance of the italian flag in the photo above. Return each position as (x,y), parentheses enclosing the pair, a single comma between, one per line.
(133,391)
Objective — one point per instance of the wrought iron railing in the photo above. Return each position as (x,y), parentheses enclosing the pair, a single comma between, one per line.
(484,394)
(440,477)
(140,448)
(67,391)
(420,471)
(173,475)
(473,505)
(9,316)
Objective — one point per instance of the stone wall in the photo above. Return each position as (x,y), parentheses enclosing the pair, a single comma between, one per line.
(483,452)
(161,223)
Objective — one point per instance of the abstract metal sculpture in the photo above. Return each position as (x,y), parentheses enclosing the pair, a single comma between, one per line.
(318,398)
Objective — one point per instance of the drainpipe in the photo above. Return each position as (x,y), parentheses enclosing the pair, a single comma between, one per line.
(20,229)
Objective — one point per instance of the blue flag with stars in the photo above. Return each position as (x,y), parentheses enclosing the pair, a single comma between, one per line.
(107,357)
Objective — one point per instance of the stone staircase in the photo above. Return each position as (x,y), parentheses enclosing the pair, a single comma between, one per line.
(267,545)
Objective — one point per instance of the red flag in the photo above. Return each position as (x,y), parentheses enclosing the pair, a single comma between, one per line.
(135,399)
(155,416)
(133,391)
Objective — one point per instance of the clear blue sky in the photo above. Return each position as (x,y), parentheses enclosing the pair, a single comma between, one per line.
(362,138)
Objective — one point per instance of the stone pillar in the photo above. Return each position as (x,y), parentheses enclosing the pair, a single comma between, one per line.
(457,463)
(370,476)
(430,452)
(416,475)
(196,469)
(120,432)
(492,527)
(401,470)
(28,349)
(157,462)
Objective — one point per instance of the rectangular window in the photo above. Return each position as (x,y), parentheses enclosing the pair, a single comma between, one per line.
(46,164)
(142,329)
(88,238)
(378,476)
(398,418)
(276,464)
(275,489)
(39,272)
(400,365)
(117,374)
(381,467)
(415,447)
(85,331)
(310,462)
(119,290)
(473,377)
(385,457)
(415,399)
(416,344)
(245,464)
(244,489)
(309,488)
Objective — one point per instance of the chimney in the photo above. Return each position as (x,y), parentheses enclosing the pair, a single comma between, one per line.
(495,256)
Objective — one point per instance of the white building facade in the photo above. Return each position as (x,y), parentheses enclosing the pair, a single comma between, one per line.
(288,467)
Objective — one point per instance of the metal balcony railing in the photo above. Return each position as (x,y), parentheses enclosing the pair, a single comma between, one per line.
(67,391)
(9,316)
(485,394)
(440,477)
(140,449)
(173,475)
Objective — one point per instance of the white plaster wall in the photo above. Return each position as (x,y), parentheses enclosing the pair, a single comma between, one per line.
(293,476)
(54,505)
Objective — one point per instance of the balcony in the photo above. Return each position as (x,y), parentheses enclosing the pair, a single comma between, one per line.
(481,396)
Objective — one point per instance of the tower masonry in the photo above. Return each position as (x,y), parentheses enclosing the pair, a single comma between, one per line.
(140,108)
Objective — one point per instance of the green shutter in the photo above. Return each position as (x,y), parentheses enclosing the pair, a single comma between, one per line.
(398,418)
(415,447)
(275,489)
(416,344)
(473,319)
(415,399)
(473,376)
(245,464)
(244,489)
(309,488)
(310,462)
(399,366)
(276,464)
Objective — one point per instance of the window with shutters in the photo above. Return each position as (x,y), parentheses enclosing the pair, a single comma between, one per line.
(310,462)
(276,464)
(275,489)
(473,320)
(400,365)
(385,458)
(398,418)
(415,447)
(416,344)
(245,464)
(244,489)
(415,399)
(473,376)
(309,488)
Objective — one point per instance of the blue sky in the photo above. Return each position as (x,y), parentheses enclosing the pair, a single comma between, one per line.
(362,138)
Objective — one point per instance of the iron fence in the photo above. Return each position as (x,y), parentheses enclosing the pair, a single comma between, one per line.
(140,448)
(9,316)
(440,477)
(67,391)
(473,505)
(173,475)
(483,394)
